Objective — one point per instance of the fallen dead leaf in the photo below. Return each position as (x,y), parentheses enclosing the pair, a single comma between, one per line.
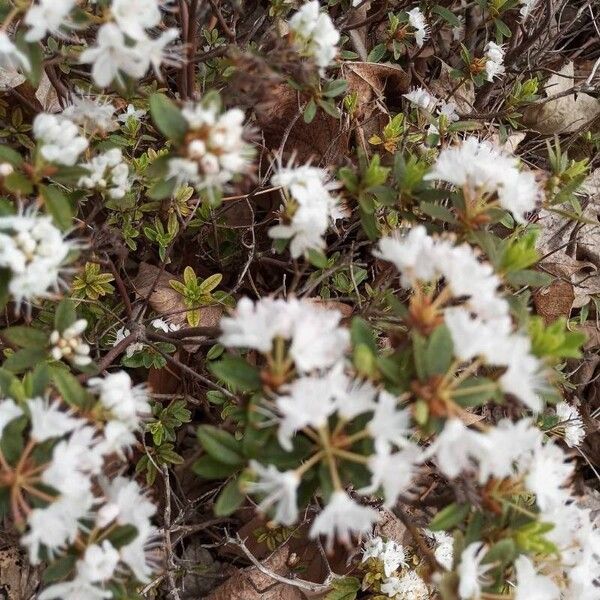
(324,139)
(18,579)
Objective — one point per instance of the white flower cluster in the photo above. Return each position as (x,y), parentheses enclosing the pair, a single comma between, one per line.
(481,327)
(81,493)
(124,46)
(91,114)
(516,451)
(482,169)
(310,210)
(60,140)
(47,16)
(316,348)
(215,151)
(417,21)
(571,424)
(314,34)
(494,60)
(109,172)
(34,251)
(70,345)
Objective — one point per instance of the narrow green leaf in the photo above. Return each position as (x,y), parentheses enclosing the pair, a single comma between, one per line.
(168,118)
(58,205)
(229,500)
(26,337)
(221,445)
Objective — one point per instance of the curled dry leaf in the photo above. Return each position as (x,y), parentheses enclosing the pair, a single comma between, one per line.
(18,580)
(566,114)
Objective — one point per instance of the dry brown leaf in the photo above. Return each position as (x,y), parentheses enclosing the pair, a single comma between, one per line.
(566,114)
(324,139)
(166,301)
(18,579)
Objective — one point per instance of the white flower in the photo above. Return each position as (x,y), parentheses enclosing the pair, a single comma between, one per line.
(312,208)
(354,397)
(390,553)
(422,98)
(317,342)
(341,518)
(165,326)
(392,472)
(507,448)
(570,421)
(125,503)
(70,344)
(278,488)
(120,335)
(471,572)
(530,585)
(494,64)
(117,438)
(99,562)
(111,57)
(309,401)
(131,113)
(548,476)
(416,19)
(407,587)
(314,34)
(527,7)
(135,16)
(389,425)
(127,402)
(412,254)
(10,56)
(56,525)
(455,447)
(155,53)
(444,548)
(135,554)
(94,115)
(109,172)
(9,411)
(77,589)
(49,421)
(73,462)
(485,169)
(47,16)
(184,171)
(60,139)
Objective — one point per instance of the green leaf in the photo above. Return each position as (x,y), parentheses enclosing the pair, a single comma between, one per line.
(529,277)
(168,118)
(377,53)
(211,468)
(17,183)
(5,276)
(221,445)
(229,500)
(236,372)
(437,211)
(59,569)
(329,107)
(162,189)
(70,389)
(26,337)
(317,258)
(449,517)
(502,28)
(10,156)
(335,88)
(24,359)
(65,315)
(58,206)
(361,333)
(210,283)
(344,589)
(502,552)
(438,356)
(310,111)
(122,535)
(447,15)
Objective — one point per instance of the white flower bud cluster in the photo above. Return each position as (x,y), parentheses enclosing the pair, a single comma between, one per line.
(70,345)
(60,140)
(215,147)
(108,172)
(34,251)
